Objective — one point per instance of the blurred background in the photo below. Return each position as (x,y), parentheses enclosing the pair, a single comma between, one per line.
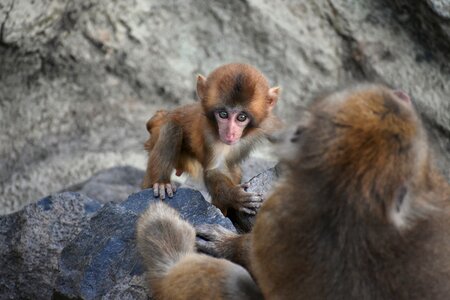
(79,79)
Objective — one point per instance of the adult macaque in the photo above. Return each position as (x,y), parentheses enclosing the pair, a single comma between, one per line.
(211,138)
(361,212)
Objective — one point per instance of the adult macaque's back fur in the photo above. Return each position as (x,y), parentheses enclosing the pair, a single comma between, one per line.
(361,213)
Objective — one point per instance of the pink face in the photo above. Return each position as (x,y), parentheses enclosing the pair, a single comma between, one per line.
(231,125)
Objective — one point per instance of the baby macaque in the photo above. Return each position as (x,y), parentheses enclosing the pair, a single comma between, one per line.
(211,138)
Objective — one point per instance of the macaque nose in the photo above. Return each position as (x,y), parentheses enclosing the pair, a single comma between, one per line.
(230,135)
(232,129)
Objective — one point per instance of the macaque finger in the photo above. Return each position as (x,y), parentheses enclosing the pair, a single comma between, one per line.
(169,190)
(253,204)
(247,210)
(203,231)
(156,190)
(257,197)
(245,186)
(210,231)
(213,234)
(162,191)
(206,247)
(252,197)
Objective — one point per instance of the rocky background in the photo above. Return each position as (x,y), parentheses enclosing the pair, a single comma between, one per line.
(79,79)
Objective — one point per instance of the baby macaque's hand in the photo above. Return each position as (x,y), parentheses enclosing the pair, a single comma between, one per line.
(246,202)
(160,190)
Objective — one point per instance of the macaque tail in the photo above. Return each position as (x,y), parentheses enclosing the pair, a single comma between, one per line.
(163,238)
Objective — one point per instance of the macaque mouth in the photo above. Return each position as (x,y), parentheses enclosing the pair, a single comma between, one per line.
(231,141)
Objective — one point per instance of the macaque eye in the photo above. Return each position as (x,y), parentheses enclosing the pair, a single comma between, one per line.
(242,117)
(223,114)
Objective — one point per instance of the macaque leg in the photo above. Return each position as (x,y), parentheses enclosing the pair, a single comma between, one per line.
(226,194)
(163,159)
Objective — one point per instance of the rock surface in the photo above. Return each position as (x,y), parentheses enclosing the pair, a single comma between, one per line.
(111,185)
(79,79)
(71,246)
(102,260)
(429,21)
(31,242)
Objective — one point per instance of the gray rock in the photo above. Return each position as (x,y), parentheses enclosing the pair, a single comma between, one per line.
(263,182)
(428,21)
(254,167)
(31,242)
(103,260)
(111,185)
(68,245)
(440,7)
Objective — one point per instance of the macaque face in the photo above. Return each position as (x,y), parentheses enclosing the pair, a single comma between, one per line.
(231,124)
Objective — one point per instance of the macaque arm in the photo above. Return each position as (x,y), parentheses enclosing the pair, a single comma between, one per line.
(236,175)
(218,241)
(163,159)
(227,194)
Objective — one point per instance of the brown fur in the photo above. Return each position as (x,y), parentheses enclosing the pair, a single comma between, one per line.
(186,138)
(361,212)
(166,244)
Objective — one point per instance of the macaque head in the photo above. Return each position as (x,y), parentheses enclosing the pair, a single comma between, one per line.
(236,98)
(365,142)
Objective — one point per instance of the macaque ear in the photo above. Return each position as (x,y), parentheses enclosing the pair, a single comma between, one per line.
(201,86)
(273,97)
(402,95)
